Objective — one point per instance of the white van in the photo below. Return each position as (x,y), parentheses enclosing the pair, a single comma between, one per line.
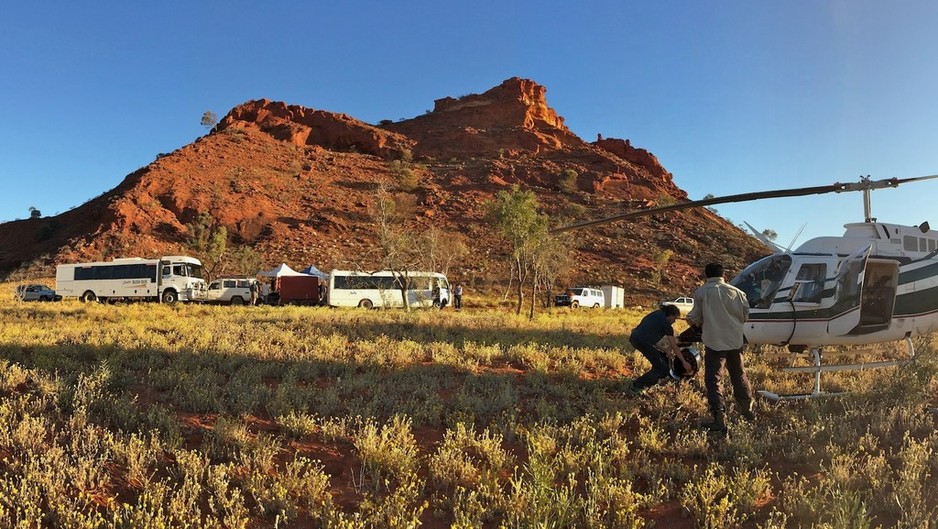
(234,291)
(581,297)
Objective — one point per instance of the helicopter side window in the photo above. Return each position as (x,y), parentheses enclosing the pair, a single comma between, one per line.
(809,283)
(760,280)
(910,243)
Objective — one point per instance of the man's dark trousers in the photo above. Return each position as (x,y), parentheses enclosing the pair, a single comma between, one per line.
(713,374)
(660,368)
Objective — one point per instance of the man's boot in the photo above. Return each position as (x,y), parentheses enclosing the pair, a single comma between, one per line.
(745,409)
(718,424)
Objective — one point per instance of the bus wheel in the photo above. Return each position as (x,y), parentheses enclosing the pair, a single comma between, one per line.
(366,304)
(170,296)
(237,300)
(88,297)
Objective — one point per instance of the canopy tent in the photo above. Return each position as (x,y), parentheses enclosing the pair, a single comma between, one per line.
(282,270)
(313,271)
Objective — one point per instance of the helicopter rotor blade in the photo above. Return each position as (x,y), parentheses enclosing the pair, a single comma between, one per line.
(863,184)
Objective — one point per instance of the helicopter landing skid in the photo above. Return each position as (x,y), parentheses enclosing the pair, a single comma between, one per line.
(817,369)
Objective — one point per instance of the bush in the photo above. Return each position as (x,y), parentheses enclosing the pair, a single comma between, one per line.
(567,181)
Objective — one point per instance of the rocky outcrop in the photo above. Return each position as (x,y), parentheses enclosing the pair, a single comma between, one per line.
(648,172)
(298,185)
(305,126)
(514,116)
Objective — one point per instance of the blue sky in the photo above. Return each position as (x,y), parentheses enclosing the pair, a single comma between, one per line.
(731,97)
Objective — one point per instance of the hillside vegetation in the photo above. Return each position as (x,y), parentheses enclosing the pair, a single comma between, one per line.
(149,415)
(299,185)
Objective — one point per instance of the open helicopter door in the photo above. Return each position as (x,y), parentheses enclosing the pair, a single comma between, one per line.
(846,313)
(858,309)
(878,298)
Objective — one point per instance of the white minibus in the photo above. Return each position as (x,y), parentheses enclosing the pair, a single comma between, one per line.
(383,289)
(167,279)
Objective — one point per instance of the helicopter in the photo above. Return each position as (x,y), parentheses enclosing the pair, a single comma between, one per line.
(876,283)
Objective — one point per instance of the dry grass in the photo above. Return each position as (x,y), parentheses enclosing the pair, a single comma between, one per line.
(151,415)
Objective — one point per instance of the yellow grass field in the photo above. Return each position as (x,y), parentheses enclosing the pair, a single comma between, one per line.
(148,415)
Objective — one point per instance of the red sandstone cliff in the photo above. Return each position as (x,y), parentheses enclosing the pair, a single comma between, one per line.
(297,183)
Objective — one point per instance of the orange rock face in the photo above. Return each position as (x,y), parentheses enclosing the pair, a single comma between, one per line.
(298,184)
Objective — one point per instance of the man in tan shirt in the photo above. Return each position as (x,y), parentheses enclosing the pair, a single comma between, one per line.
(721,309)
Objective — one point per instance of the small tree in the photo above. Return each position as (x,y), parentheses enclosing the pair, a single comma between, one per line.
(661,259)
(209,119)
(398,244)
(770,234)
(245,260)
(34,213)
(554,258)
(440,249)
(514,214)
(405,250)
(208,241)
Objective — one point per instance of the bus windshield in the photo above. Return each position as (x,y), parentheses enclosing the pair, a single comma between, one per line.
(194,270)
(187,270)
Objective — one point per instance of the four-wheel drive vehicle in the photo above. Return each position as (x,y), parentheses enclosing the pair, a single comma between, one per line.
(235,291)
(683,304)
(581,297)
(36,293)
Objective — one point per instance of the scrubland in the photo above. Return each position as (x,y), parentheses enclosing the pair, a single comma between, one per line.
(146,415)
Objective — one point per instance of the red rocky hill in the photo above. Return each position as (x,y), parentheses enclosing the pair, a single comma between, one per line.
(296,184)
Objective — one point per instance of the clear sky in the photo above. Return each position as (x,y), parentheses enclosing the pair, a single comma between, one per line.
(731,96)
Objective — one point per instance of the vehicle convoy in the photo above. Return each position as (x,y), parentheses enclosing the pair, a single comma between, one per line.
(383,289)
(684,304)
(581,297)
(233,291)
(167,279)
(36,293)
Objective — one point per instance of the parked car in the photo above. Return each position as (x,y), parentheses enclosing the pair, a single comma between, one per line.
(234,291)
(36,293)
(581,297)
(683,304)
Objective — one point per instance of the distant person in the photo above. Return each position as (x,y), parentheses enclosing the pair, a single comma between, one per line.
(721,309)
(653,327)
(265,291)
(253,293)
(457,296)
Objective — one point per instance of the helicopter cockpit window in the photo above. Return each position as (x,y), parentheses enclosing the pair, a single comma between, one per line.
(761,280)
(809,283)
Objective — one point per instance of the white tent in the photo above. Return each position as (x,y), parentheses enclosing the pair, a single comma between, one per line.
(282,270)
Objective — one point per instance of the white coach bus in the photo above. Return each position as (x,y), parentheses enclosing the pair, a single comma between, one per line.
(383,289)
(167,279)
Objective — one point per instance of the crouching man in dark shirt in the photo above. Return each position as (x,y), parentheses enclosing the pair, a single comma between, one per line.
(649,332)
